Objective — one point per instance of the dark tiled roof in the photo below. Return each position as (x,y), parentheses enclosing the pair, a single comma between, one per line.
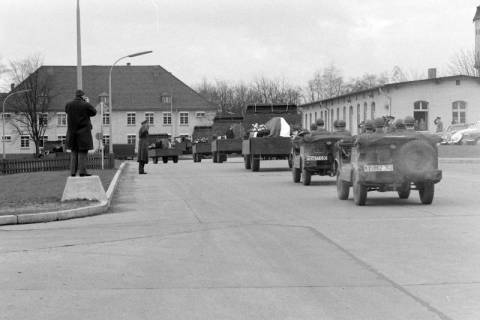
(477,14)
(133,88)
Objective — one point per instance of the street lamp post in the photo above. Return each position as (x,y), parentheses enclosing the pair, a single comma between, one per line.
(3,117)
(110,144)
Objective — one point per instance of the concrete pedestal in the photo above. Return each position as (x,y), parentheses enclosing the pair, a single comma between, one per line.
(84,188)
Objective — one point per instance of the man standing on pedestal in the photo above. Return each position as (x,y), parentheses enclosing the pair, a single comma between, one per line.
(79,132)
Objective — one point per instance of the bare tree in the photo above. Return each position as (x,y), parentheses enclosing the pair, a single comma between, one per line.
(463,62)
(31,108)
(325,84)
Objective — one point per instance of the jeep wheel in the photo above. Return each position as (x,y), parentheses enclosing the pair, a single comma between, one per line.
(359,192)
(155,160)
(165,159)
(255,164)
(214,157)
(343,189)
(426,192)
(404,190)
(306,177)
(175,159)
(296,174)
(248,163)
(290,161)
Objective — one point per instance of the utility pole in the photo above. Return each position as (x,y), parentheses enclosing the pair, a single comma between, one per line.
(79,50)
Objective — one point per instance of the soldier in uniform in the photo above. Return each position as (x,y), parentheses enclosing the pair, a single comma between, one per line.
(369,126)
(339,127)
(399,125)
(379,125)
(321,126)
(313,127)
(142,147)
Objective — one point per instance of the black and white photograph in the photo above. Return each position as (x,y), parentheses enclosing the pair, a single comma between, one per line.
(240,160)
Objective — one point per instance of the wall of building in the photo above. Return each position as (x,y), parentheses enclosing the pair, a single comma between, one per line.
(399,102)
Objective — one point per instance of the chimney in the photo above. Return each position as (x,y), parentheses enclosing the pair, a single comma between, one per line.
(12,86)
(432,73)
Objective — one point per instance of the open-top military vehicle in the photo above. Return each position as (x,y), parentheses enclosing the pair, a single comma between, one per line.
(314,154)
(228,130)
(201,142)
(160,147)
(272,145)
(397,161)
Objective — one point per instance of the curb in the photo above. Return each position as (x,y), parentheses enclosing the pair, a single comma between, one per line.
(67,214)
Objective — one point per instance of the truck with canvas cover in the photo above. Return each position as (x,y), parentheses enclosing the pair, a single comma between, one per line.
(272,139)
(160,147)
(201,142)
(314,154)
(228,130)
(396,161)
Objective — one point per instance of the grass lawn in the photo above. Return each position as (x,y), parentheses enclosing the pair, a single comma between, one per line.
(41,191)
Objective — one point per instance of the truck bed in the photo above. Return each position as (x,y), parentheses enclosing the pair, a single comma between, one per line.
(267,146)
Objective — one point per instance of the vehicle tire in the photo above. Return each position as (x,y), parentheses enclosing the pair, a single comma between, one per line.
(165,159)
(306,177)
(219,157)
(416,157)
(296,174)
(359,192)
(224,158)
(404,190)
(290,161)
(426,192)
(155,160)
(214,157)
(255,164)
(343,189)
(175,159)
(247,161)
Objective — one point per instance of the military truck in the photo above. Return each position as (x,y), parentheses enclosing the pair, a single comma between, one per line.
(201,142)
(314,154)
(228,131)
(160,147)
(397,161)
(268,147)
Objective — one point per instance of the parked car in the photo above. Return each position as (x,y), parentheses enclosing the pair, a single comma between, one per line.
(446,135)
(470,135)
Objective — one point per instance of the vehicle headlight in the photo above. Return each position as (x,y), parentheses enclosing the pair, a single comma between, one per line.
(456,137)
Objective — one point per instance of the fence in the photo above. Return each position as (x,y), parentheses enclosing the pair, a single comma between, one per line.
(59,162)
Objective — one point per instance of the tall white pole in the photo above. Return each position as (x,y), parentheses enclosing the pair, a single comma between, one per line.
(102,148)
(171,116)
(79,50)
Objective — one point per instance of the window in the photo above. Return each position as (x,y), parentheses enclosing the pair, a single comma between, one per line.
(306,121)
(6,116)
(43,119)
(7,138)
(344,113)
(459,112)
(338,113)
(365,107)
(61,119)
(62,139)
(106,140)
(106,118)
(372,111)
(310,116)
(149,117)
(43,140)
(166,99)
(25,142)
(130,118)
(131,139)
(200,114)
(167,118)
(184,118)
(315,116)
(358,114)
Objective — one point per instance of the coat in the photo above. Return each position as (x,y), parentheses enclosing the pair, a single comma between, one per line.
(79,130)
(143,145)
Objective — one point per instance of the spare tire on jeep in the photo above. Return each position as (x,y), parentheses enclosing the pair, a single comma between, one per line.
(415,158)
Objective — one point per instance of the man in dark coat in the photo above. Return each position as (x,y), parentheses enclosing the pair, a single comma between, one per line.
(142,157)
(79,132)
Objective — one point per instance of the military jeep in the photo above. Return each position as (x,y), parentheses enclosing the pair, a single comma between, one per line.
(397,161)
(314,154)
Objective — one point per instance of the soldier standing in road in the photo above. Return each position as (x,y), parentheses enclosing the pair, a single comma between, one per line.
(79,132)
(142,147)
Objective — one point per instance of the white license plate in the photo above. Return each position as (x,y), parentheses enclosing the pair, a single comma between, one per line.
(378,168)
(317,158)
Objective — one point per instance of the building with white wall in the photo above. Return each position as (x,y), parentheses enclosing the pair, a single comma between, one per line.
(138,93)
(456,99)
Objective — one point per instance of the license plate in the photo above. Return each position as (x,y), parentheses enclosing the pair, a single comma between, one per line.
(378,167)
(317,158)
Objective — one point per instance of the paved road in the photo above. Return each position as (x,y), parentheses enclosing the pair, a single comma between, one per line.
(215,241)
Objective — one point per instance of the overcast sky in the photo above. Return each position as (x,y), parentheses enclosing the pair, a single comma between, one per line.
(242,39)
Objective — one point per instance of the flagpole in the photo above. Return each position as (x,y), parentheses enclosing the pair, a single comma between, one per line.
(79,50)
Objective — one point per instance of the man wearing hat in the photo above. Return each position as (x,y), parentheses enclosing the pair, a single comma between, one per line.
(142,157)
(379,125)
(339,127)
(79,132)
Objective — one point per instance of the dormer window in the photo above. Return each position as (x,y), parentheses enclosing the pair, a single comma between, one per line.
(166,99)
